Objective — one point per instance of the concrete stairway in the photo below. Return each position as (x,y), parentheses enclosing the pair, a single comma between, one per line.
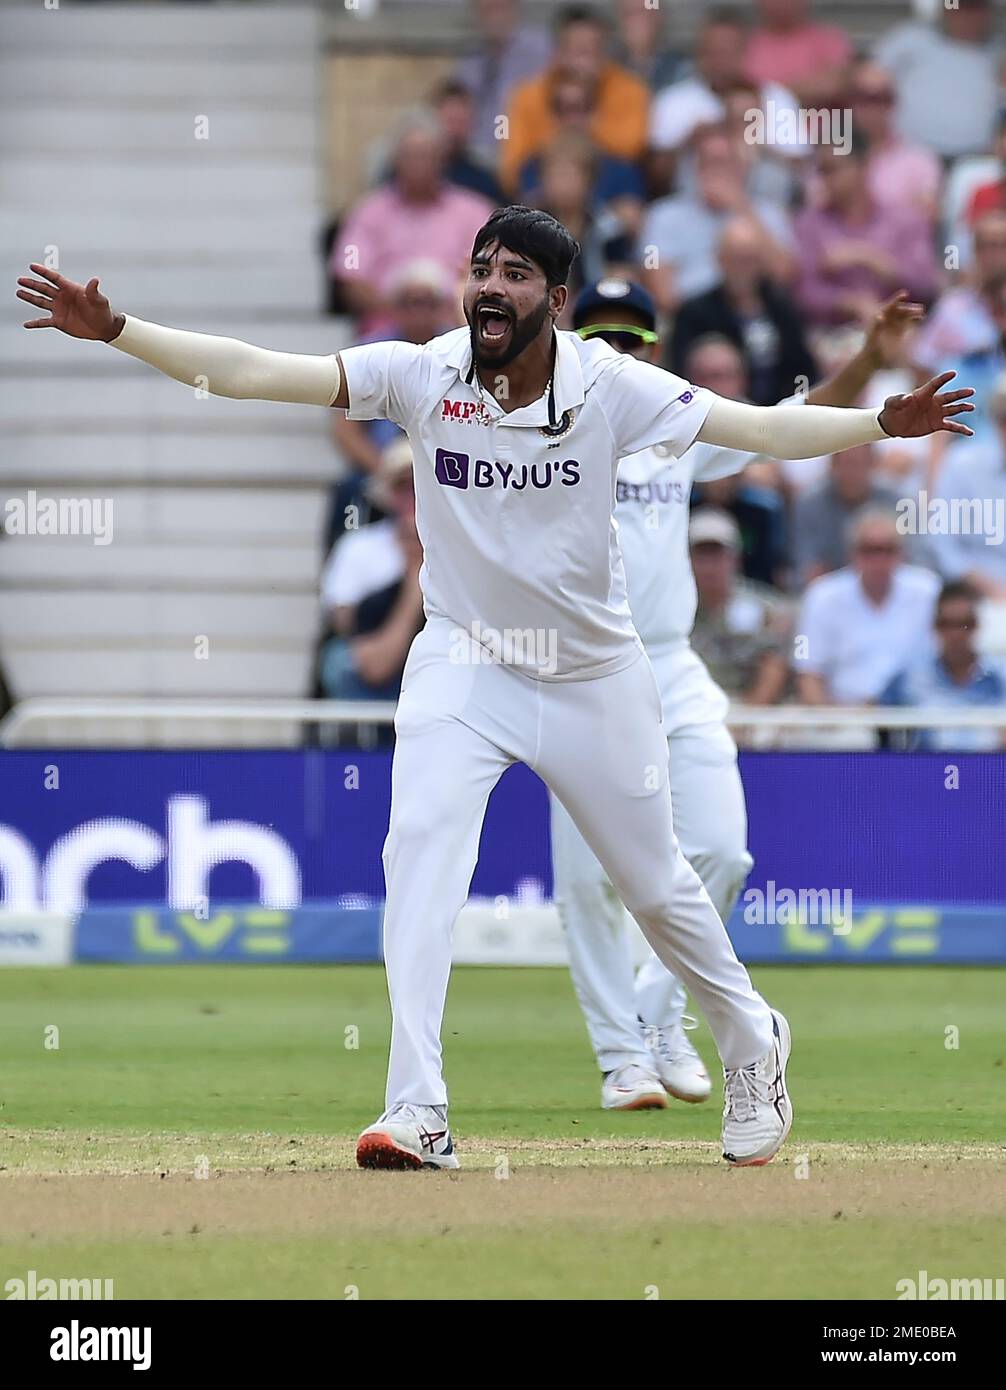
(217,505)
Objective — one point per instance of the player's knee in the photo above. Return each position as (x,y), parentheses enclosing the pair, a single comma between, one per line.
(654,908)
(429,819)
(579,894)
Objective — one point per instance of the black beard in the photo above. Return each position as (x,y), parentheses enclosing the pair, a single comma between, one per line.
(524,332)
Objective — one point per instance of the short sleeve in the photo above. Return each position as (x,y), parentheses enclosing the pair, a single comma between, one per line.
(385,380)
(813,637)
(646,406)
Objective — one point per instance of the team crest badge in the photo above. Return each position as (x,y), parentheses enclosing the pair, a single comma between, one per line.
(559,431)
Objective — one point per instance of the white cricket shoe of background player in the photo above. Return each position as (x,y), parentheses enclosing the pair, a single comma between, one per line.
(518,538)
(632,1088)
(408,1136)
(679,1067)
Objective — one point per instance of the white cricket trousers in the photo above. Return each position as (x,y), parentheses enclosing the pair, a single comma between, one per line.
(599,746)
(710,822)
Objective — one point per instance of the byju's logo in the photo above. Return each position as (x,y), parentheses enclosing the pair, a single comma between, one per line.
(452,469)
(455,470)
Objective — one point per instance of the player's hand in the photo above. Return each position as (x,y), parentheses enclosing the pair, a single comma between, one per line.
(82,311)
(888,328)
(927,410)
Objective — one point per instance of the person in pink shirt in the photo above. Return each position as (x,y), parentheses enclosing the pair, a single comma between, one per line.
(788,47)
(901,174)
(853,251)
(416,213)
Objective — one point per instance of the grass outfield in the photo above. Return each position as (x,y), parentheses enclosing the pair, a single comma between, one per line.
(244,1073)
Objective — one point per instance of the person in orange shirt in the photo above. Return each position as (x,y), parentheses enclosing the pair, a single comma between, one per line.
(620,101)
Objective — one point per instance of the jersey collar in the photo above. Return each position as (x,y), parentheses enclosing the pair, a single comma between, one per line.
(567,390)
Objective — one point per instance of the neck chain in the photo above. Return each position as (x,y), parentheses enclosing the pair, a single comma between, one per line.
(473,378)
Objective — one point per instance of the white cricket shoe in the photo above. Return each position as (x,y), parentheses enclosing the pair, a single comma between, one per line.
(679,1066)
(757,1111)
(632,1088)
(408,1136)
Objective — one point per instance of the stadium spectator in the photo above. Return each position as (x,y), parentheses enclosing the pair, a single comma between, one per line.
(774,170)
(948,78)
(990,197)
(861,625)
(618,184)
(419,301)
(811,59)
(620,102)
(753,312)
(961,321)
(702,98)
(900,173)
(985,365)
(567,180)
(641,43)
(952,677)
(419,209)
(455,108)
(370,591)
(823,513)
(749,497)
(854,252)
(681,232)
(971,493)
(741,628)
(509,53)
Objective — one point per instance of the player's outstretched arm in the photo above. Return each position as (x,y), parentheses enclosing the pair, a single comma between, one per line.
(223,366)
(799,432)
(881,348)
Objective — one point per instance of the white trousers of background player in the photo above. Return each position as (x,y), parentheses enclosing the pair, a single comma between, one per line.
(600,747)
(710,822)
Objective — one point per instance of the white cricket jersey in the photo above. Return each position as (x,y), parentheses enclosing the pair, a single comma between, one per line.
(515,516)
(652,510)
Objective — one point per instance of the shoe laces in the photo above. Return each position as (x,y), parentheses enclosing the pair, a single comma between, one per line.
(744,1090)
(670,1043)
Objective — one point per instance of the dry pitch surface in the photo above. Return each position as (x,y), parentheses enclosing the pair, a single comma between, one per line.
(636,1207)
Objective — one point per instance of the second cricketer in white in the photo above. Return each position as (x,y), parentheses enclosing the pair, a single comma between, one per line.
(635,1017)
(529,653)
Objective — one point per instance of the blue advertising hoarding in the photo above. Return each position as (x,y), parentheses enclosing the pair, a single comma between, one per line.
(300,833)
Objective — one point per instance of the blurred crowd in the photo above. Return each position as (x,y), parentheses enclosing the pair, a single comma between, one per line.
(771,187)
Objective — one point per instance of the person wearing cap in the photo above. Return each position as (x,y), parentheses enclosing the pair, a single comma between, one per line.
(741,627)
(370,590)
(637,1020)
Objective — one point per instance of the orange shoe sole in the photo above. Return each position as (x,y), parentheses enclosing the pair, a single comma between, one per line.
(380,1151)
(643,1103)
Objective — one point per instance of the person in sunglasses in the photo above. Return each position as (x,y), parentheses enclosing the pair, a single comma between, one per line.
(636,1020)
(954,676)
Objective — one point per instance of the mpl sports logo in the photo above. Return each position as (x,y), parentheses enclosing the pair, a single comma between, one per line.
(461,471)
(467,413)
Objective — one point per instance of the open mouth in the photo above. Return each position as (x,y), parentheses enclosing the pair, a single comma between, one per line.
(494,324)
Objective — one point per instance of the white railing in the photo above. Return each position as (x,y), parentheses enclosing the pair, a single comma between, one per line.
(16,727)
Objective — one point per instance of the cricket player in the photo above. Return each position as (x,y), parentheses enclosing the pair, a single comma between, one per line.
(636,1020)
(529,653)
